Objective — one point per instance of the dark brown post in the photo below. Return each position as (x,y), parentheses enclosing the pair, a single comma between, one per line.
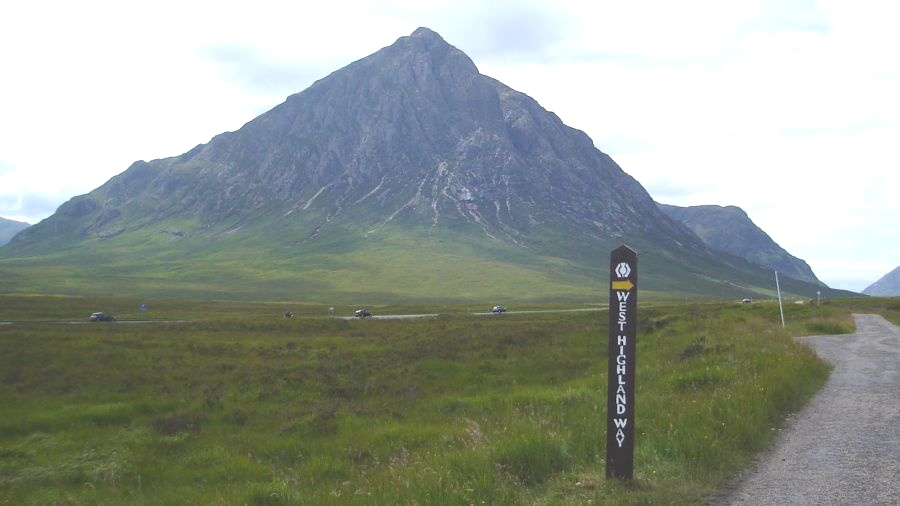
(620,384)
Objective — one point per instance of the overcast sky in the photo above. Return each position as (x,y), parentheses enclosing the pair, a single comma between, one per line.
(787,109)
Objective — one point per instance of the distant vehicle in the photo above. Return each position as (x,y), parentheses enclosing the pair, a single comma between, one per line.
(746,301)
(102,317)
(498,309)
(362,313)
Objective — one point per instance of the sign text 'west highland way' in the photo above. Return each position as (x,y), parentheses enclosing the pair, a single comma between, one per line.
(621,377)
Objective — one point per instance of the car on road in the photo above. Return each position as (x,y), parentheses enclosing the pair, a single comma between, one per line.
(362,313)
(101,317)
(498,309)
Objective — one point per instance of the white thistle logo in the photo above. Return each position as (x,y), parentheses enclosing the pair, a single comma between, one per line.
(623,270)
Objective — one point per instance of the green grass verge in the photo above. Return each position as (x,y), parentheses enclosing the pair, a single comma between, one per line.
(236,405)
(889,307)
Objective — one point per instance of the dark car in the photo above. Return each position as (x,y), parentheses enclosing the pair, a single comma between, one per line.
(498,309)
(102,317)
(362,313)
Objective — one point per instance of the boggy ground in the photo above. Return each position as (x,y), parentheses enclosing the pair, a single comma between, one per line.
(230,403)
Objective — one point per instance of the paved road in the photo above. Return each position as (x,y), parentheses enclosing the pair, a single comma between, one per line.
(389,317)
(432,315)
(844,448)
(532,311)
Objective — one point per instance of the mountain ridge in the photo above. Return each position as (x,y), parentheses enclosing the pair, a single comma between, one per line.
(9,228)
(886,286)
(730,230)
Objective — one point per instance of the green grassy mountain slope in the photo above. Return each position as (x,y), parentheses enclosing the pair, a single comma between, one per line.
(344,265)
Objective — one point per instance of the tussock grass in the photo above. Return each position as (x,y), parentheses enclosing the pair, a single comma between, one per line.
(237,405)
(889,307)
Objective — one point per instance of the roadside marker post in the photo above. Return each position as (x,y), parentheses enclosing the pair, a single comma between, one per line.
(620,379)
(780,305)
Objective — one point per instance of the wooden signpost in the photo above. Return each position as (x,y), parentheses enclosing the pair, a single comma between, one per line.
(620,384)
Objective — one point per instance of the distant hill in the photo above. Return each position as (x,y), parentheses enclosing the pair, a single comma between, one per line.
(730,230)
(406,175)
(9,228)
(887,286)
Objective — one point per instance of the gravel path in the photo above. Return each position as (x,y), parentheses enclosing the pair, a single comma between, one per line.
(844,447)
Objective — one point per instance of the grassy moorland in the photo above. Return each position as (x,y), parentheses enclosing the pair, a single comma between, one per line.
(226,403)
(351,263)
(889,307)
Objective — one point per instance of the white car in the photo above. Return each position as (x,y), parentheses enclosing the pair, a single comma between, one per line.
(498,309)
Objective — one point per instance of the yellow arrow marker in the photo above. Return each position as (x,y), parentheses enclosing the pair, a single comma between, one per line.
(622,285)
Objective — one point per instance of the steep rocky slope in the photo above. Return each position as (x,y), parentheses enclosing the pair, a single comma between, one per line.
(730,230)
(887,286)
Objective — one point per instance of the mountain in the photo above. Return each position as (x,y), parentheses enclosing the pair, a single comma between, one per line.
(9,228)
(730,230)
(406,175)
(887,286)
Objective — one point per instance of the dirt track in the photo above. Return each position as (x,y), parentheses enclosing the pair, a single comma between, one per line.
(844,447)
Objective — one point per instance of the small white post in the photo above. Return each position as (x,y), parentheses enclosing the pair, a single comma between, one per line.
(780,305)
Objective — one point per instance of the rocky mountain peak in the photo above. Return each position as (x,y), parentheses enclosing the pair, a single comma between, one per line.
(417,131)
(412,134)
(427,34)
(427,40)
(410,146)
